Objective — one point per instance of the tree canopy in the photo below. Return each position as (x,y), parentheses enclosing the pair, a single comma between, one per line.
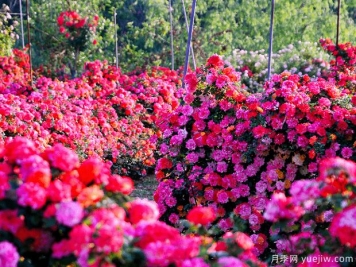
(220,27)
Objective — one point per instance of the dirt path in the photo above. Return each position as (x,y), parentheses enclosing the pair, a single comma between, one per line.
(145,187)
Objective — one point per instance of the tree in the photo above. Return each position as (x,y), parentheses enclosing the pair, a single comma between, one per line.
(51,48)
(224,25)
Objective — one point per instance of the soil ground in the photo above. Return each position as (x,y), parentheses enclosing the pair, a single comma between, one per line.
(145,187)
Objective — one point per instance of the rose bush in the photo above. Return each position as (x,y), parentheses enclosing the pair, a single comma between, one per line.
(76,29)
(230,150)
(223,149)
(55,211)
(324,226)
(104,112)
(15,72)
(79,34)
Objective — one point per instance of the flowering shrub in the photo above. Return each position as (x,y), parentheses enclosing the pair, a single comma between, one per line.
(302,58)
(79,32)
(45,195)
(324,224)
(343,66)
(229,150)
(142,96)
(157,90)
(76,29)
(75,115)
(104,112)
(15,72)
(55,211)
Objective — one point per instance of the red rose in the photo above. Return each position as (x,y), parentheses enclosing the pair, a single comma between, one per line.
(215,61)
(142,210)
(201,215)
(90,169)
(164,163)
(148,232)
(120,184)
(244,241)
(19,148)
(36,170)
(60,20)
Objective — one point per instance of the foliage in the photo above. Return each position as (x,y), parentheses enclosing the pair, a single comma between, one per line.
(7,33)
(302,58)
(222,26)
(52,50)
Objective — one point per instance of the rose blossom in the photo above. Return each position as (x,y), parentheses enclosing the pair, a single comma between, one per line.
(281,207)
(9,257)
(201,215)
(343,226)
(69,213)
(142,209)
(31,195)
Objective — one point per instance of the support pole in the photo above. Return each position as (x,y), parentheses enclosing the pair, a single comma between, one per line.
(186,24)
(171,22)
(116,48)
(21,22)
(29,38)
(270,41)
(190,34)
(338,22)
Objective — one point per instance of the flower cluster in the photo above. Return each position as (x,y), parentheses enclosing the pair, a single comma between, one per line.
(230,150)
(76,29)
(324,227)
(343,66)
(15,72)
(157,89)
(55,211)
(44,195)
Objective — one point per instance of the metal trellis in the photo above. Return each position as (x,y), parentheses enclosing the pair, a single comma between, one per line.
(270,41)
(171,23)
(338,22)
(29,37)
(186,23)
(116,48)
(190,34)
(21,23)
